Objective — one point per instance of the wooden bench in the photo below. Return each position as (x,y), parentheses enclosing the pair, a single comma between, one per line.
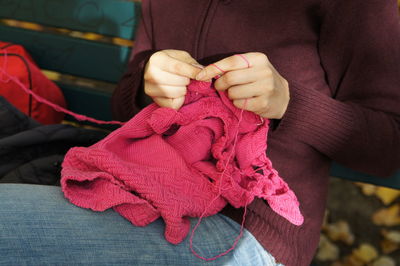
(88,42)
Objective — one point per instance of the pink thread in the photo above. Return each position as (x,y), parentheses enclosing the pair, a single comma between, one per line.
(52,105)
(5,63)
(219,194)
(245,59)
(217,67)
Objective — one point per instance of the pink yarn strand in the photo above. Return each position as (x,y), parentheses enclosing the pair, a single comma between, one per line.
(220,69)
(219,194)
(55,106)
(217,67)
(5,63)
(245,59)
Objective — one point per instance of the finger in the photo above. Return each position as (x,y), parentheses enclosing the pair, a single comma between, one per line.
(175,103)
(175,66)
(225,65)
(156,75)
(237,77)
(181,56)
(256,105)
(167,91)
(245,91)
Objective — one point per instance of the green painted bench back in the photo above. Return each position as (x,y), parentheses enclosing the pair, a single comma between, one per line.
(94,59)
(76,56)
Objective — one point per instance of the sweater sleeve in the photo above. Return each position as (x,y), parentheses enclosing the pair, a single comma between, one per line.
(359,125)
(128,97)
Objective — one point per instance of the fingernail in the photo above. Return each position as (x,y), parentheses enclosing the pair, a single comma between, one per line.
(201,75)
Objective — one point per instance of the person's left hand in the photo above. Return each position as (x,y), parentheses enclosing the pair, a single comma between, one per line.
(257,87)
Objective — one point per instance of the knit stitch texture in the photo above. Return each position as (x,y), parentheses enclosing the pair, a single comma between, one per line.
(173,164)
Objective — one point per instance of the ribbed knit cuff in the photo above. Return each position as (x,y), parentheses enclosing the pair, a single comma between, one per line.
(317,119)
(290,245)
(128,97)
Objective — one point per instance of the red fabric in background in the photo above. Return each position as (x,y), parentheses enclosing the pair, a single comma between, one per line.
(18,63)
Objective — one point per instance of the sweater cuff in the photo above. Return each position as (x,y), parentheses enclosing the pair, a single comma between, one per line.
(128,97)
(318,120)
(137,66)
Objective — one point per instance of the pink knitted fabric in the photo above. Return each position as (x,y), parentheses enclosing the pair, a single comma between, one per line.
(169,163)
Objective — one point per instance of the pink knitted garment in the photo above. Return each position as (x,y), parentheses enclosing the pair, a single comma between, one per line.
(169,163)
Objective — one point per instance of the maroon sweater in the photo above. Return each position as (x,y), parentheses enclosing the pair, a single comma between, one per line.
(342,61)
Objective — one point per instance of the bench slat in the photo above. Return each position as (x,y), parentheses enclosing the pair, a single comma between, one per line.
(78,57)
(108,17)
(340,171)
(87,101)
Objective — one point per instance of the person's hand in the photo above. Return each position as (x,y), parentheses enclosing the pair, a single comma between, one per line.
(252,83)
(167,73)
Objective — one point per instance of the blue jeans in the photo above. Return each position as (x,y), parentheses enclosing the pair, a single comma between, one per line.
(39,227)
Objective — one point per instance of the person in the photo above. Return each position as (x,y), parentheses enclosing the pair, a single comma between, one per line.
(326,74)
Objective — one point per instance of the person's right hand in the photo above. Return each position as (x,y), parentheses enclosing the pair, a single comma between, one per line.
(167,73)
